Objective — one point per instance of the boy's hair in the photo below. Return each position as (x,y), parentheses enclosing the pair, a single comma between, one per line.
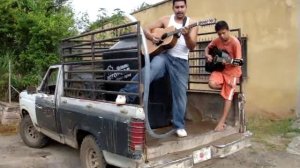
(220,25)
(178,0)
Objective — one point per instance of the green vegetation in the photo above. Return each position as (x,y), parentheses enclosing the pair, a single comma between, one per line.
(274,134)
(143,6)
(30,33)
(104,19)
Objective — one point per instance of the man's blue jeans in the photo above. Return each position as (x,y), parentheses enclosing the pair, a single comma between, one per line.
(178,70)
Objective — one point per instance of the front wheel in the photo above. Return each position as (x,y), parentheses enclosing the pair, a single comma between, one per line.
(30,136)
(90,154)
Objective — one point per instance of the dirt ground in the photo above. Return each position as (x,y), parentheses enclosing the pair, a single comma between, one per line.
(14,154)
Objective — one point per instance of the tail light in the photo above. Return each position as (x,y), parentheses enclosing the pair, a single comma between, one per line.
(136,135)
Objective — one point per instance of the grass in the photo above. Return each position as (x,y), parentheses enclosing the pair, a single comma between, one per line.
(275,135)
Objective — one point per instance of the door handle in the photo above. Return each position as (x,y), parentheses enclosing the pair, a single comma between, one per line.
(39,107)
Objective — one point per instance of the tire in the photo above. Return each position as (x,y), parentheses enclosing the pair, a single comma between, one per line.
(90,154)
(30,136)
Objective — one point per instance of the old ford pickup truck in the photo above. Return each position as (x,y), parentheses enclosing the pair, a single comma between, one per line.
(74,105)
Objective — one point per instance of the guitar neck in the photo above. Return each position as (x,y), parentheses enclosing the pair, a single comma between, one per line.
(177,31)
(200,23)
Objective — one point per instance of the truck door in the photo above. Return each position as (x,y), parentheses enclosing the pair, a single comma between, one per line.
(45,103)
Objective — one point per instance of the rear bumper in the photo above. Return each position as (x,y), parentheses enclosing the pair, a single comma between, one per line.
(187,159)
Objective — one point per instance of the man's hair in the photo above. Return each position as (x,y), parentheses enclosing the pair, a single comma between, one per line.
(178,0)
(220,25)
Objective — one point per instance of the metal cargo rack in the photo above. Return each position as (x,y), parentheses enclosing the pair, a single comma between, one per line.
(95,64)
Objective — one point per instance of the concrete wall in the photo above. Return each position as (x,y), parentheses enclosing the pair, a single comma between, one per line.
(9,113)
(272,27)
(298,65)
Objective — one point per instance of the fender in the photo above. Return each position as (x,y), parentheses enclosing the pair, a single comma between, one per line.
(27,103)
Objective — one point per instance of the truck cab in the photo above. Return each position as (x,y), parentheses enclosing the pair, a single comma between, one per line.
(74,105)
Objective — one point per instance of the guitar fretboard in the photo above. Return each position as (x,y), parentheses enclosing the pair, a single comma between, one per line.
(200,23)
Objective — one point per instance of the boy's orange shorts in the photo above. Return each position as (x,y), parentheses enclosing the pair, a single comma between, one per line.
(228,83)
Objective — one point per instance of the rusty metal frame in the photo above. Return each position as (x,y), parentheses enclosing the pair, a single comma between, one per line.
(86,49)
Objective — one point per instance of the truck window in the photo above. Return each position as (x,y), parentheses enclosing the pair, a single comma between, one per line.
(49,84)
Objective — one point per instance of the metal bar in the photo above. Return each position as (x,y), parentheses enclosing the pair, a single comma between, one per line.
(197,50)
(197,66)
(201,82)
(241,77)
(208,33)
(77,40)
(139,63)
(15,89)
(194,74)
(100,61)
(102,91)
(100,31)
(197,58)
(93,64)
(103,51)
(99,41)
(86,48)
(101,71)
(9,82)
(102,81)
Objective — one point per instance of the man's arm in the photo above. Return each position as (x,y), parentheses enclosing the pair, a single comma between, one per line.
(148,29)
(190,36)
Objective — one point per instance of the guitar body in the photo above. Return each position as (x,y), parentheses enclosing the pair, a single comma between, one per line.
(167,43)
(219,58)
(169,37)
(214,66)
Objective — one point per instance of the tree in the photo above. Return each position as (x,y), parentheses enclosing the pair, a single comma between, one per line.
(115,19)
(143,6)
(31,30)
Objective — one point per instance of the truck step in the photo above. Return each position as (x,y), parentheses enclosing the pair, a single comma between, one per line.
(231,144)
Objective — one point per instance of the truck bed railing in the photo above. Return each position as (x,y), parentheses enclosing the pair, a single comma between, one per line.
(97,64)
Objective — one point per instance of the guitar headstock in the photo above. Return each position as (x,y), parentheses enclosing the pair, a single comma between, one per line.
(237,62)
(207,22)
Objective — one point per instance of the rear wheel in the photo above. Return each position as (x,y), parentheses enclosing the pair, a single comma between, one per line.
(90,154)
(30,136)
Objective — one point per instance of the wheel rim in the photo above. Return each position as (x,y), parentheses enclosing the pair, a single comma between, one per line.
(93,159)
(31,132)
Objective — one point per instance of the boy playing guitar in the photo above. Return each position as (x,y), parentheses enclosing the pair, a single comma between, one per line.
(226,79)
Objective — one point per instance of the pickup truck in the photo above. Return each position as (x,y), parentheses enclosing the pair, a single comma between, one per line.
(74,105)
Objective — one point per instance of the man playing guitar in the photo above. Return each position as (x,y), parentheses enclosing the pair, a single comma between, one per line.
(174,61)
(226,79)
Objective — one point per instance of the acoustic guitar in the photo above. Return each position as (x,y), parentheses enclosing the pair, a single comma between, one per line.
(169,36)
(220,57)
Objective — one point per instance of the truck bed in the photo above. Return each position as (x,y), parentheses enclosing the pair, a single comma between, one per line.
(199,134)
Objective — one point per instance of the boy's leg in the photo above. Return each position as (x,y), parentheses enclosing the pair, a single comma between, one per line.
(227,93)
(216,80)
(221,124)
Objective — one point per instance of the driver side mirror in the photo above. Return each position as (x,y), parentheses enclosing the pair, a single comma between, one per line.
(31,90)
